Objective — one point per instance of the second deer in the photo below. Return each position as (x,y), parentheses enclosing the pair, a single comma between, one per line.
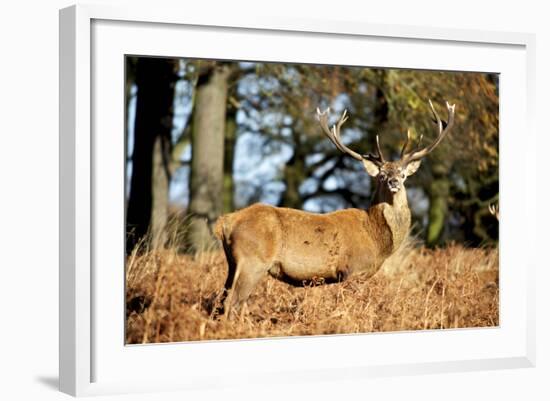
(297,246)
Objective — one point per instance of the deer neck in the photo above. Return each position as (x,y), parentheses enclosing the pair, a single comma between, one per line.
(396,213)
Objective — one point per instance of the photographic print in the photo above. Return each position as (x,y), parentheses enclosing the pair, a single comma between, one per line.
(269,199)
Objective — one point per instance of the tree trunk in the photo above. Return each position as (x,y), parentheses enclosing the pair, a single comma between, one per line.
(207,155)
(294,176)
(380,112)
(294,173)
(147,201)
(161,184)
(438,192)
(229,150)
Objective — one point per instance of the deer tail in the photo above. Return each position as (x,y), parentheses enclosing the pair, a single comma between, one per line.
(221,228)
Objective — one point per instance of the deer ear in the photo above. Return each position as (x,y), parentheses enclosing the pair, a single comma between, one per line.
(412,167)
(371,168)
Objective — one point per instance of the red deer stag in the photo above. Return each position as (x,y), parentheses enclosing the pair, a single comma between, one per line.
(297,246)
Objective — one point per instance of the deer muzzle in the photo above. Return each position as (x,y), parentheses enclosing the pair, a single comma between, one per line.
(394,185)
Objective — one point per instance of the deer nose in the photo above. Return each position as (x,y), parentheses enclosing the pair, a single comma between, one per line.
(394,182)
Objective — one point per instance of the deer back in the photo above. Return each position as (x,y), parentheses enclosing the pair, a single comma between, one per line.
(304,245)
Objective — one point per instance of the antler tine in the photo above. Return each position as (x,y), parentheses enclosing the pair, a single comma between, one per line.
(493,209)
(436,117)
(378,158)
(378,149)
(336,129)
(334,133)
(443,129)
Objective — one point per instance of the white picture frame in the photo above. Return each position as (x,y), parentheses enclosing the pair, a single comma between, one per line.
(93,358)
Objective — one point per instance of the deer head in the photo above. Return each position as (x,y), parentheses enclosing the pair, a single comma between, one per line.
(390,175)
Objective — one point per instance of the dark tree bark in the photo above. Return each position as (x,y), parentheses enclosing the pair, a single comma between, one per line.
(148,198)
(380,112)
(294,173)
(229,153)
(208,134)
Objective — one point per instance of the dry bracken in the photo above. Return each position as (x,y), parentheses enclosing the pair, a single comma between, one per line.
(170,297)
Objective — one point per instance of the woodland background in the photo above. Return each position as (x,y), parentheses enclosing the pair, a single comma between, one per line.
(207,137)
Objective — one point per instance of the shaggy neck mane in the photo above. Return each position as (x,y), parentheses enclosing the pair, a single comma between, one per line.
(383,195)
(397,215)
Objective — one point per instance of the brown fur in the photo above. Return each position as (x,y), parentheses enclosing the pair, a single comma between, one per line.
(298,247)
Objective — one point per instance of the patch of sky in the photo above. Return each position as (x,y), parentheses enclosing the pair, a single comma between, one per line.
(459,182)
(324,204)
(325,167)
(248,86)
(131,116)
(418,202)
(309,186)
(291,76)
(339,104)
(247,65)
(179,188)
(362,88)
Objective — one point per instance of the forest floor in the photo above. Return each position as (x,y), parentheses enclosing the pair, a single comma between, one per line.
(169,297)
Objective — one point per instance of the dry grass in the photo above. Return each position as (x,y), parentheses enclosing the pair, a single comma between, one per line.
(170,296)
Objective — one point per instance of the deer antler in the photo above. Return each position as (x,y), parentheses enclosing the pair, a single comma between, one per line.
(493,209)
(443,128)
(334,135)
(378,158)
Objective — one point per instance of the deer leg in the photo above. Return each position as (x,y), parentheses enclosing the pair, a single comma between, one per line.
(247,276)
(219,308)
(231,270)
